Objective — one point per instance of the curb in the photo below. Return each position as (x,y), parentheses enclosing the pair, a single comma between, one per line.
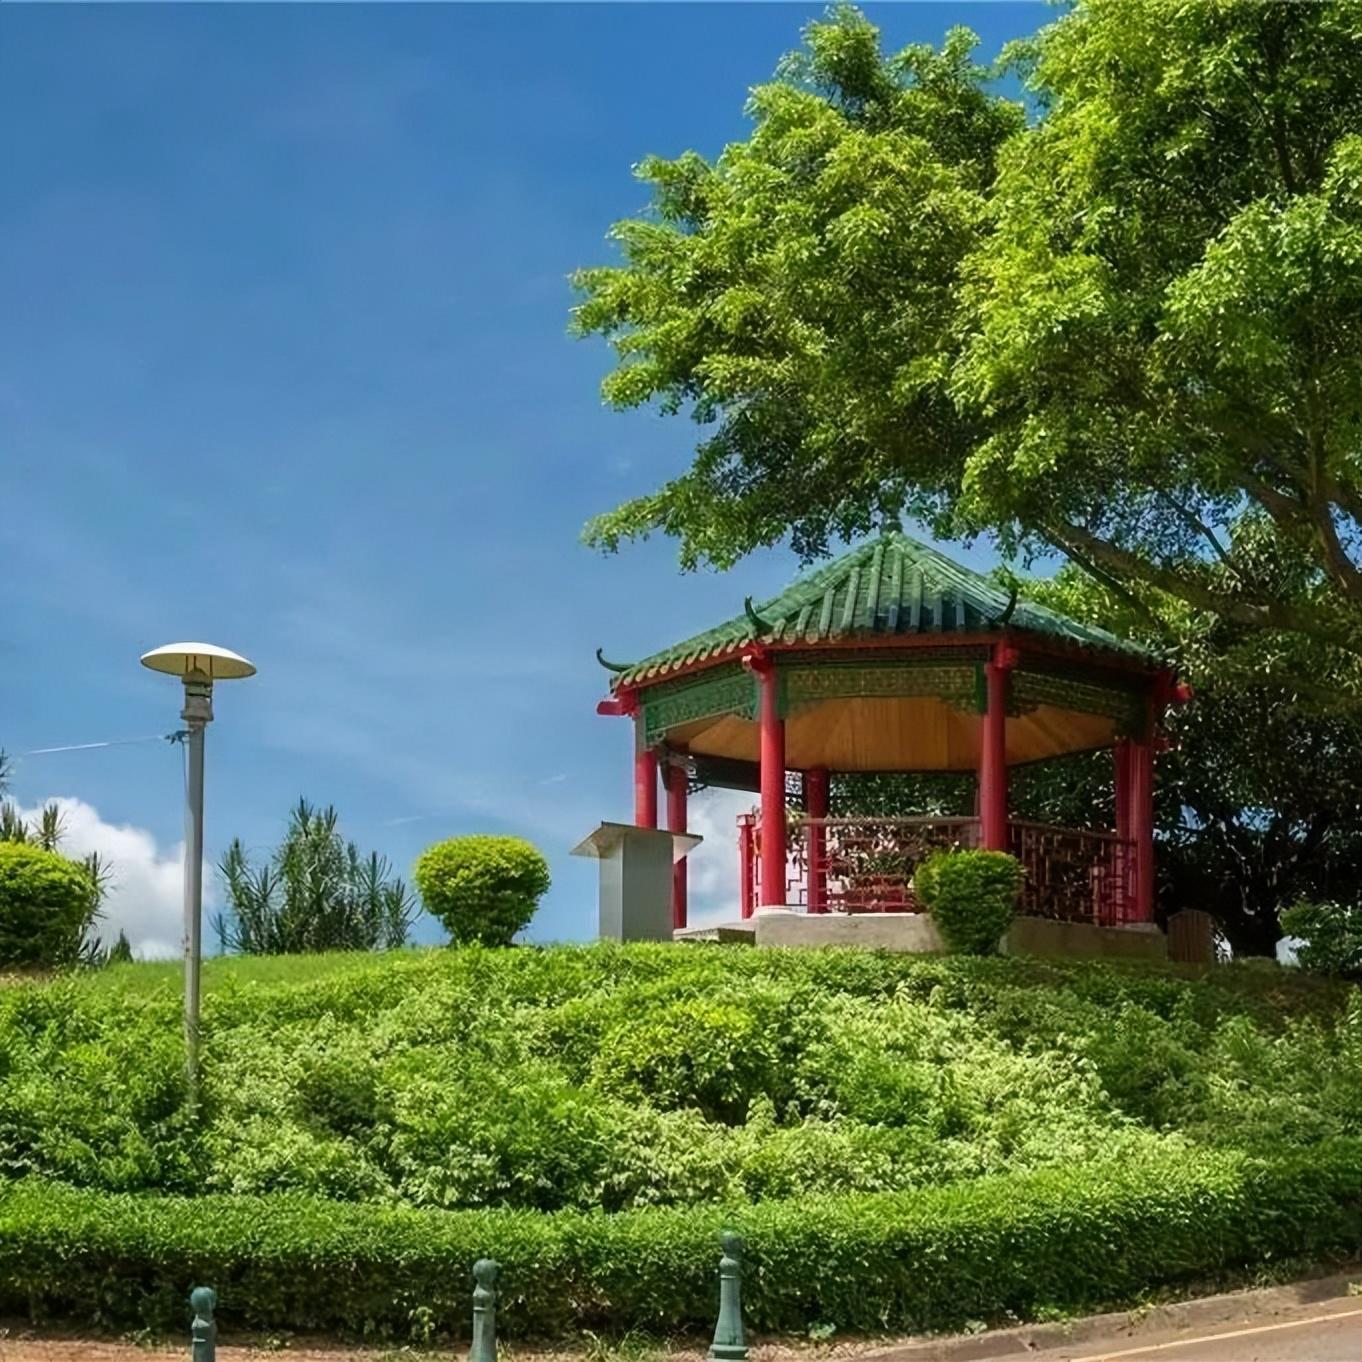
(1208,1311)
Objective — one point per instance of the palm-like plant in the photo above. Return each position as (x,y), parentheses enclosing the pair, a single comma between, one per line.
(315,893)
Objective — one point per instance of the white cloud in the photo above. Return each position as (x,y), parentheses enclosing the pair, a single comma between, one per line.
(146,893)
(712,881)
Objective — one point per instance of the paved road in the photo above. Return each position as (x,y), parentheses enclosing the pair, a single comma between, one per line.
(1330,1331)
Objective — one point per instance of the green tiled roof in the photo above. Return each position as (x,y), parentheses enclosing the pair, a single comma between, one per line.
(890,585)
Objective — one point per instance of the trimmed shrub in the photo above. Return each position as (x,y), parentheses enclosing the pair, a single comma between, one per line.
(934,1259)
(47,903)
(483,889)
(972,896)
(1330,935)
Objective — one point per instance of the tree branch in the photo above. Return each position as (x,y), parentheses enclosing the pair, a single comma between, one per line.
(1128,564)
(1348,500)
(1198,526)
(1256,614)
(1344,570)
(1285,510)
(1111,582)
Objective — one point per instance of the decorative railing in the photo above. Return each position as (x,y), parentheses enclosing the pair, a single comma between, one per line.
(866,865)
(1073,874)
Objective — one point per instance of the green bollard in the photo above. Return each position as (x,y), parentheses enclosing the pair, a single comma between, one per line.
(203,1332)
(484,1312)
(730,1344)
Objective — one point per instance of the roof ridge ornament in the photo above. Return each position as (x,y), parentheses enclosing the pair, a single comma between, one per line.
(617,667)
(1012,589)
(760,625)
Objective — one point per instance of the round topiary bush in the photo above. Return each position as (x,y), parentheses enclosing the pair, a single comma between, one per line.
(46,905)
(482,888)
(971,895)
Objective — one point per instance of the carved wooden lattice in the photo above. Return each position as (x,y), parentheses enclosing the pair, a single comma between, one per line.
(1072,874)
(866,864)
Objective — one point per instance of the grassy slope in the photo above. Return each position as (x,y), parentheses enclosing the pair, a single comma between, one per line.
(1002,1113)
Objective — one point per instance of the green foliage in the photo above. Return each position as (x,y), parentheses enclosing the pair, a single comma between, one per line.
(971,895)
(483,889)
(315,893)
(589,1116)
(716,1055)
(1130,331)
(46,831)
(1019,1244)
(47,905)
(1330,936)
(627,1077)
(120,953)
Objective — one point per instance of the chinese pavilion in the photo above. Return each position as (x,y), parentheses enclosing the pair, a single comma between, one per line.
(894,658)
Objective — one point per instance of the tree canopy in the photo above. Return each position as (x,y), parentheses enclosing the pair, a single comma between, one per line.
(1127,329)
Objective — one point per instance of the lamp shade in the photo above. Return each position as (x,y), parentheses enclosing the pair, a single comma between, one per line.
(179,659)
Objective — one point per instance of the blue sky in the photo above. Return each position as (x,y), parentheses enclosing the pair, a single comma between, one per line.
(284,366)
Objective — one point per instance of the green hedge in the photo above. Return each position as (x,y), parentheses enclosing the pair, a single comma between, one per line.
(1060,1237)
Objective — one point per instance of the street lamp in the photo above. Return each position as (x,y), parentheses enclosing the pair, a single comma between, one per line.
(197,665)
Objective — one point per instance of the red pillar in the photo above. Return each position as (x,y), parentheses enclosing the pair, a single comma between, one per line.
(993,753)
(746,896)
(816,806)
(1122,762)
(676,822)
(1125,904)
(1141,784)
(645,783)
(773,889)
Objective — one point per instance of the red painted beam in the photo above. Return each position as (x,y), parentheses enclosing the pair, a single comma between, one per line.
(1142,828)
(1125,905)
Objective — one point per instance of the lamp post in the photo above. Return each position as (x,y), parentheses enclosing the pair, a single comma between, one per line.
(197,665)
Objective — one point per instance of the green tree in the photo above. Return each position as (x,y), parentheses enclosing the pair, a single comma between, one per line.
(972,895)
(1129,332)
(315,893)
(120,953)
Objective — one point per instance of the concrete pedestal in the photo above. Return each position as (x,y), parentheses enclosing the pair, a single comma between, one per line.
(636,879)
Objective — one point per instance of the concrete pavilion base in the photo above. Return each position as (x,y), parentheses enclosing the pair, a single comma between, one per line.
(1081,940)
(917,933)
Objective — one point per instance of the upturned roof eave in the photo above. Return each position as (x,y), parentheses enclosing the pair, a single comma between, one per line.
(892,590)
